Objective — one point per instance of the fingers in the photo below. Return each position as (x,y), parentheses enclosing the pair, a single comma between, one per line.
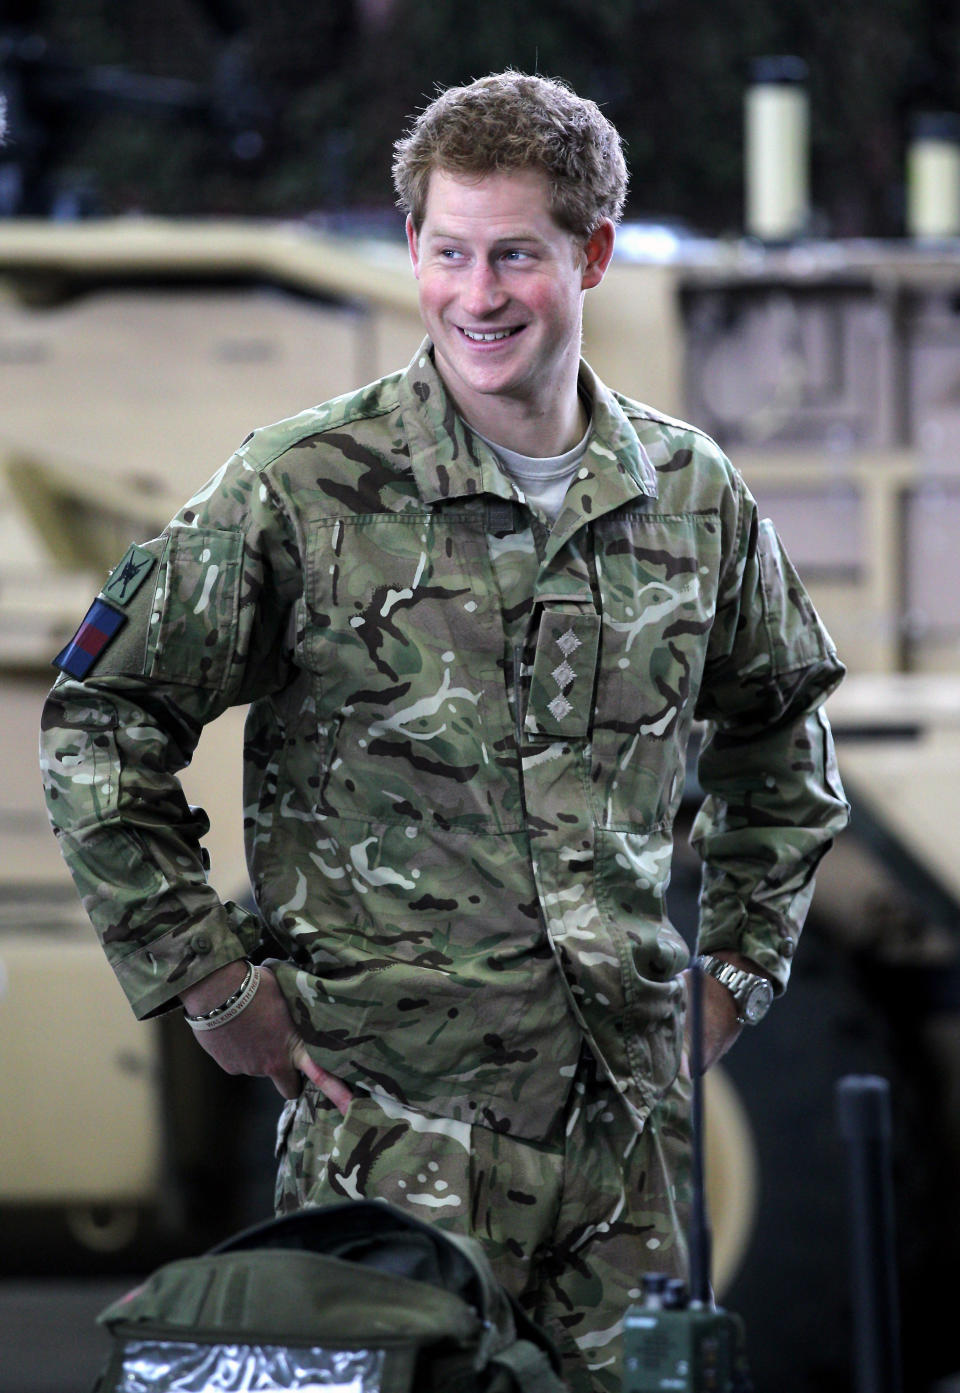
(263,1042)
(329,1085)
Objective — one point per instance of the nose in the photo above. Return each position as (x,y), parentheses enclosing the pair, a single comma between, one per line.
(482,292)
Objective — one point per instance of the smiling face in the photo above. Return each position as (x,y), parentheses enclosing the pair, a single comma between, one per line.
(501,294)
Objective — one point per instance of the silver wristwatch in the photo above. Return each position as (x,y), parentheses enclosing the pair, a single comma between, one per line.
(753,994)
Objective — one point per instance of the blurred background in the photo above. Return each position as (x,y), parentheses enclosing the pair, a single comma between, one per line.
(197,236)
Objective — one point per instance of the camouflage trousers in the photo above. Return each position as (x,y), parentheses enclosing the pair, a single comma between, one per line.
(569,1224)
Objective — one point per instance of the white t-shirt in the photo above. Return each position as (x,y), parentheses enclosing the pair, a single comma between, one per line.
(543,482)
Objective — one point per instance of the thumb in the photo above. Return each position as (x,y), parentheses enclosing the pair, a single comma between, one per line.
(329,1085)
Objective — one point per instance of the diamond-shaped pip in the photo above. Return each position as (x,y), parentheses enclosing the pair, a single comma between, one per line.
(563,675)
(559,708)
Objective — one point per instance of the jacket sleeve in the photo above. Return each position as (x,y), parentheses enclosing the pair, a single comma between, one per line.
(206,630)
(774,800)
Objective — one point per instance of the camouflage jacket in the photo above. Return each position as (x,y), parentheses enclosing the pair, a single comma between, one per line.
(465,747)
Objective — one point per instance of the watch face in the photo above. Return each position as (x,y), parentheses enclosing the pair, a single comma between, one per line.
(757,1002)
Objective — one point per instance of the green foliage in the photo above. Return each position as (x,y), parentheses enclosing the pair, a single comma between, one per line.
(339,80)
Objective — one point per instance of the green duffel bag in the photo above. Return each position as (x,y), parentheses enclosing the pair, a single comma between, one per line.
(349,1298)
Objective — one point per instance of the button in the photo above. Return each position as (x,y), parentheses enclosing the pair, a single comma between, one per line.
(787,947)
(201,944)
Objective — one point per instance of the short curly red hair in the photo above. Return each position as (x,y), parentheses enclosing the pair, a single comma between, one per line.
(512,120)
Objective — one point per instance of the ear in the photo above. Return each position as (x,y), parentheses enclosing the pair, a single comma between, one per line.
(597,253)
(413,246)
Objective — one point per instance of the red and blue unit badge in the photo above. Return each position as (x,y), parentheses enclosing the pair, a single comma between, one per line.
(100,624)
(103,621)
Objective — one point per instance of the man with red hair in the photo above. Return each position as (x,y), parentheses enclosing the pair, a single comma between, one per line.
(477,608)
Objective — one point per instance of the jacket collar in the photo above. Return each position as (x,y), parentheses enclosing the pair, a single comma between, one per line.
(449,461)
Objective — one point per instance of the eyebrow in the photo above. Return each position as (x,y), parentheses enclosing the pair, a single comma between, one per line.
(439,235)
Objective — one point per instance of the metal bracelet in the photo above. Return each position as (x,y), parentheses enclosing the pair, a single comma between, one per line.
(226,1014)
(224,1005)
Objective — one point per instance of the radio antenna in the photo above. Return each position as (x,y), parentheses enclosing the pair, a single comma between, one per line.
(671,1341)
(700,1238)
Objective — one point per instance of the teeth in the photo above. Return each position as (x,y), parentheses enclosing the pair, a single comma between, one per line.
(488,338)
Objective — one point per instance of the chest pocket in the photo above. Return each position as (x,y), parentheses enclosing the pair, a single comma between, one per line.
(404,637)
(660,579)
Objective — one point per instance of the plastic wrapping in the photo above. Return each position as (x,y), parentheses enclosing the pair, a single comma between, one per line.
(149,1366)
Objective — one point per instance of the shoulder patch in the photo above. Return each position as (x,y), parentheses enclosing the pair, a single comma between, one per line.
(127,578)
(99,626)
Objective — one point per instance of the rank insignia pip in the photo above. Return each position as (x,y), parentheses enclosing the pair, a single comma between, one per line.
(99,626)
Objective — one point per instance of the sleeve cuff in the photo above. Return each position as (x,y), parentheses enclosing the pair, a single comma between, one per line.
(154,975)
(770,947)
